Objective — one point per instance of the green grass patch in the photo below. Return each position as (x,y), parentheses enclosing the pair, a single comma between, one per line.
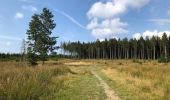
(82,87)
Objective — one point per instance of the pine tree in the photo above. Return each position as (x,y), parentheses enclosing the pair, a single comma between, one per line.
(40,42)
(153,43)
(165,44)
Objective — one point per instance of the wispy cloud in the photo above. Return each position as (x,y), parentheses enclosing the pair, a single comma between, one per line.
(8,43)
(30,8)
(0,21)
(19,15)
(168,12)
(26,1)
(160,21)
(10,38)
(71,18)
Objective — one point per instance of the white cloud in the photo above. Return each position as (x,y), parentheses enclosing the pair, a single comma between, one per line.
(30,8)
(160,21)
(134,3)
(8,43)
(19,15)
(93,24)
(107,28)
(114,7)
(161,33)
(105,10)
(104,17)
(137,36)
(150,34)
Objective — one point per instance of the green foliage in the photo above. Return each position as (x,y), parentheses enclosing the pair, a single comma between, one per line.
(31,58)
(163,59)
(54,56)
(9,57)
(143,48)
(39,33)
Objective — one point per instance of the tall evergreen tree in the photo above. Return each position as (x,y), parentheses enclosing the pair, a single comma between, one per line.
(165,44)
(40,42)
(153,43)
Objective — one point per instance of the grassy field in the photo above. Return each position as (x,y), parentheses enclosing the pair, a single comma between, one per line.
(28,83)
(73,80)
(138,80)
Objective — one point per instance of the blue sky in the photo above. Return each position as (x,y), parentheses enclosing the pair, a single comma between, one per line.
(85,20)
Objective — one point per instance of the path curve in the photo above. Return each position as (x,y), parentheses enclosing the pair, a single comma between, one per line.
(108,91)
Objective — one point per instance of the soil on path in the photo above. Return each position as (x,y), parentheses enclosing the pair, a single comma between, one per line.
(108,91)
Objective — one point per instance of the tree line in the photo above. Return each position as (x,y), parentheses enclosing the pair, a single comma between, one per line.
(9,56)
(143,48)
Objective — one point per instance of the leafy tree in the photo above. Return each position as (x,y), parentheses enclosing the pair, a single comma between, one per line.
(40,42)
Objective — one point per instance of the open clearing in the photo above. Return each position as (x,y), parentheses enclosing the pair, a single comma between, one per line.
(86,80)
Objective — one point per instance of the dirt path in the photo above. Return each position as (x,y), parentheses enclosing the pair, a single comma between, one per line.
(108,91)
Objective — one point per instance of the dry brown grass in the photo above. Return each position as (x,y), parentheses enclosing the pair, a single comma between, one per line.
(25,83)
(148,80)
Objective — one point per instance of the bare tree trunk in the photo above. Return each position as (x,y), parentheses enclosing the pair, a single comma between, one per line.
(127,54)
(43,62)
(110,53)
(154,57)
(165,52)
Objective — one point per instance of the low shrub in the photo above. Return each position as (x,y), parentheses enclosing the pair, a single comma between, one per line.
(162,59)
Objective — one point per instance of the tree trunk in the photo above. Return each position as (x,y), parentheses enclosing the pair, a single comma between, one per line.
(154,53)
(165,52)
(43,62)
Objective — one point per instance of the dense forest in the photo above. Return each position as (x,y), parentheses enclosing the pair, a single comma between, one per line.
(143,48)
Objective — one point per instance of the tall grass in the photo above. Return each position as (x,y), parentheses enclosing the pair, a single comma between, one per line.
(147,81)
(26,83)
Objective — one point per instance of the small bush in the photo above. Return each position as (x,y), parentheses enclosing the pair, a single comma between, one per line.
(162,59)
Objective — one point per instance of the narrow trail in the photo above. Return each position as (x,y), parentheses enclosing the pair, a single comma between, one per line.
(108,91)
